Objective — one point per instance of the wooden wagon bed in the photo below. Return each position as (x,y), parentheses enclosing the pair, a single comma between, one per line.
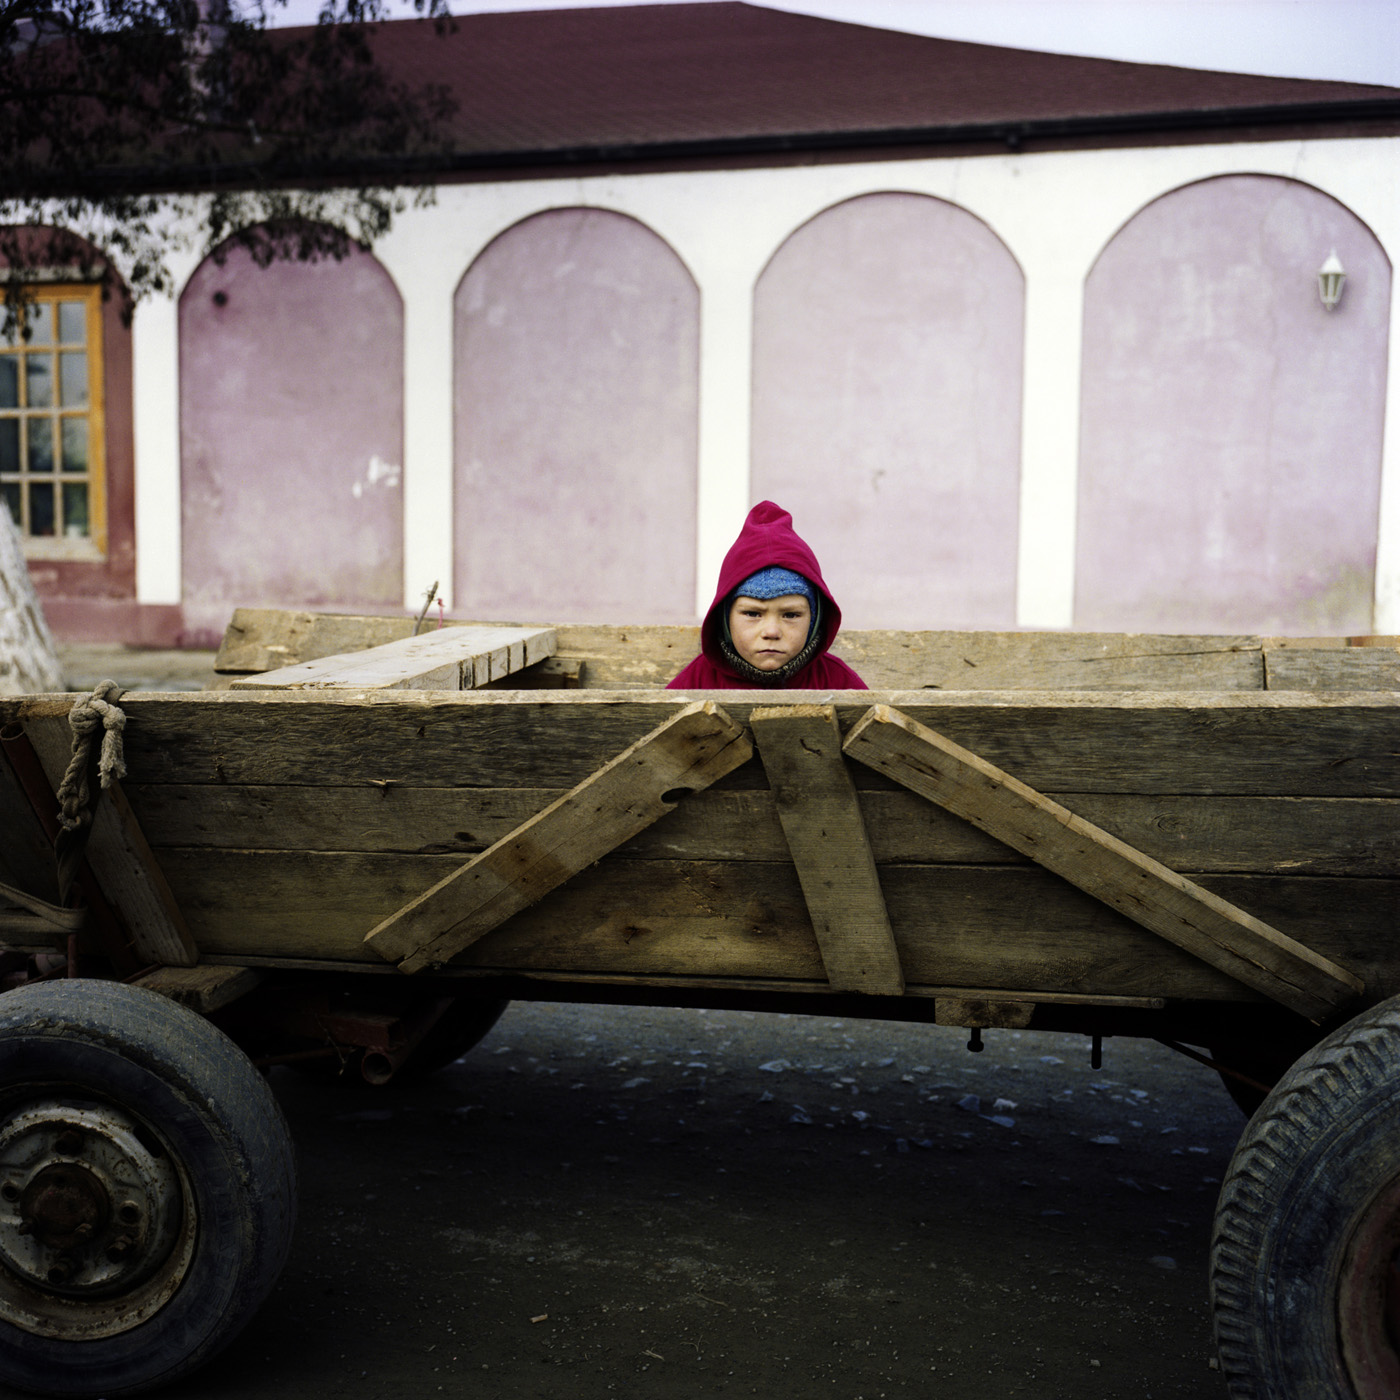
(291,822)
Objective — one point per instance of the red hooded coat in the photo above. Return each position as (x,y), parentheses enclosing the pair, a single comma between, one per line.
(766,539)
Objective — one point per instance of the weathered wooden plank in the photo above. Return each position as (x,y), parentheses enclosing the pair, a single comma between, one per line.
(686,753)
(1329,643)
(627,657)
(261,639)
(205,988)
(294,738)
(986,1012)
(1021,928)
(23,912)
(785,986)
(264,639)
(23,931)
(1168,904)
(1237,744)
(1018,928)
(1051,661)
(448,658)
(1349,668)
(1279,835)
(821,820)
(1292,835)
(120,858)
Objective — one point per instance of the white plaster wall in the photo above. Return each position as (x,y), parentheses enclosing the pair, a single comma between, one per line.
(1055,212)
(155,388)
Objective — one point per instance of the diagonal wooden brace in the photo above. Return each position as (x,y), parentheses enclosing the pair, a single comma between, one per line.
(1150,894)
(801,750)
(695,747)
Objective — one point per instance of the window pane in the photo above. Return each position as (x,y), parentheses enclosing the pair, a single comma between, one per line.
(40,508)
(73,379)
(9,444)
(39,372)
(75,509)
(75,444)
(9,381)
(41,323)
(9,493)
(41,444)
(72,322)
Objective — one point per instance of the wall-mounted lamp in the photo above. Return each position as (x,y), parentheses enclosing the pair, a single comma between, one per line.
(1331,278)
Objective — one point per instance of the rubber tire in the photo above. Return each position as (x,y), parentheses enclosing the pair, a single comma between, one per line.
(143,1053)
(1321,1150)
(463,1025)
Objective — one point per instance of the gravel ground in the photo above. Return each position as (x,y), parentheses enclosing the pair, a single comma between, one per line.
(603,1202)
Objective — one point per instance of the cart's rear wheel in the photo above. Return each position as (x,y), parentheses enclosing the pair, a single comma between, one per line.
(147,1189)
(1305,1270)
(460,1027)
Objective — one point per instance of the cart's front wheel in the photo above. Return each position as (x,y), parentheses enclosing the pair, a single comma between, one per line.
(147,1189)
(1305,1270)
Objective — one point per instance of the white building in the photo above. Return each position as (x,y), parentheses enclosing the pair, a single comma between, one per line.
(1022,340)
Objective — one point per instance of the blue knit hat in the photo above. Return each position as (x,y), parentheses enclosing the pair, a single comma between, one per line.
(776,582)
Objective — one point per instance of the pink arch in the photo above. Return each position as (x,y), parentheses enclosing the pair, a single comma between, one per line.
(888,336)
(1231,427)
(291,436)
(576,376)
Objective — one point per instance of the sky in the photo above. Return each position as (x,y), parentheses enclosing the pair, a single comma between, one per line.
(1353,40)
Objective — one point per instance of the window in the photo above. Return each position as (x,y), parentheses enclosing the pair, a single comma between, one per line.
(51,428)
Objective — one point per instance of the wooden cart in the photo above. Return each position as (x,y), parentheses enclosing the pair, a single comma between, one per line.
(362,844)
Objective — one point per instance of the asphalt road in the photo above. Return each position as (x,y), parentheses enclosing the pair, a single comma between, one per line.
(605,1202)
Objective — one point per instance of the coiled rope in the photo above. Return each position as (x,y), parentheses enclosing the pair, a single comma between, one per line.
(98,712)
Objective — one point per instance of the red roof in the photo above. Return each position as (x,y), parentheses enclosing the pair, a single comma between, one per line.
(714,78)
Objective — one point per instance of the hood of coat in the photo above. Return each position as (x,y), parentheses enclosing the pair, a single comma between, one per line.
(767,538)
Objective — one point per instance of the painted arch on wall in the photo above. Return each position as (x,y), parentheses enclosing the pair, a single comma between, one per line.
(888,346)
(576,371)
(291,436)
(1230,457)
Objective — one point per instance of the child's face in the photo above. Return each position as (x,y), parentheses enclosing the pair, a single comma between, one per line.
(768,633)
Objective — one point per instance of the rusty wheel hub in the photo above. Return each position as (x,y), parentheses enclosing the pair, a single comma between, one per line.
(96,1220)
(64,1206)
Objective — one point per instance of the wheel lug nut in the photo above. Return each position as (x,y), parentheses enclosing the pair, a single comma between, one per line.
(119,1249)
(62,1269)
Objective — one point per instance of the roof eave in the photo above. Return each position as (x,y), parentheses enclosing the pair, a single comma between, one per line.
(1011,136)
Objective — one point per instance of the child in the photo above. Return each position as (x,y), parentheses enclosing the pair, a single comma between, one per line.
(772,619)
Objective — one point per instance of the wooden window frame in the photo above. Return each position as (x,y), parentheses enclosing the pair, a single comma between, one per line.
(91,547)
